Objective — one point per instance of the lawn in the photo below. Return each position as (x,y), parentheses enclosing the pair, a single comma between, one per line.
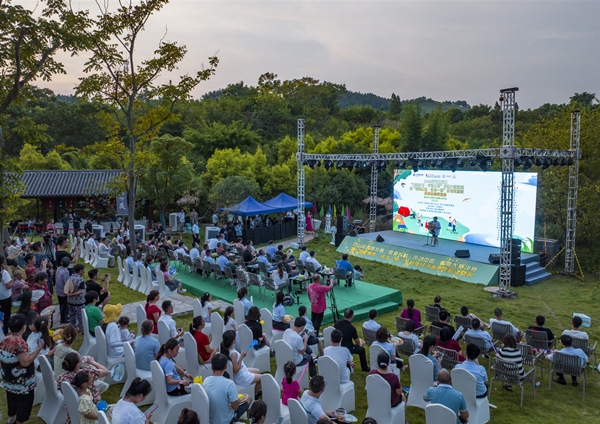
(556,299)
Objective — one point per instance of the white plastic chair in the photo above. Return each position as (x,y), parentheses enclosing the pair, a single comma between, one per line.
(102,418)
(379,406)
(272,397)
(283,354)
(164,334)
(53,407)
(169,407)
(374,350)
(163,290)
(132,371)
(40,389)
(135,281)
(191,358)
(436,413)
(93,256)
(121,276)
(103,358)
(260,358)
(216,329)
(150,285)
(197,310)
(466,383)
(140,314)
(238,311)
(98,262)
(298,414)
(85,250)
(72,401)
(327,336)
(272,334)
(336,395)
(200,402)
(88,347)
(421,379)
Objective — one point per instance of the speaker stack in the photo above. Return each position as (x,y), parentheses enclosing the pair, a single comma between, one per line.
(462,253)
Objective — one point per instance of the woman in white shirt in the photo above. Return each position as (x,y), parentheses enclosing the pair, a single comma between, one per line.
(206,307)
(280,278)
(126,411)
(279,321)
(228,321)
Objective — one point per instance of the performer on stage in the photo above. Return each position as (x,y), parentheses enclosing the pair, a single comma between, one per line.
(435,227)
(328,223)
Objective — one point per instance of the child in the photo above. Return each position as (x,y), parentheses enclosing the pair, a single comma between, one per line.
(18,285)
(87,408)
(40,331)
(291,388)
(228,321)
(206,307)
(126,335)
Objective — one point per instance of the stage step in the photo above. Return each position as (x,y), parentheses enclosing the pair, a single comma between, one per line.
(534,272)
(382,308)
(530,259)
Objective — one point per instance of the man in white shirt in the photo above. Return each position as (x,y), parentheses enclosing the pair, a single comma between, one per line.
(194,253)
(303,254)
(299,344)
(212,243)
(514,330)
(181,251)
(341,355)
(103,252)
(271,249)
(196,232)
(92,240)
(311,259)
(181,216)
(114,343)
(167,307)
(371,324)
(311,403)
(575,332)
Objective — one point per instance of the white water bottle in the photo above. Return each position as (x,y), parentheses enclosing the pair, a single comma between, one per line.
(252,299)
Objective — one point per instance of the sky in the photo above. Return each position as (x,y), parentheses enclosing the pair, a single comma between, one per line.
(445,50)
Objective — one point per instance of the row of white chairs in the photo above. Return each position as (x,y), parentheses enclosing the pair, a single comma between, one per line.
(141,279)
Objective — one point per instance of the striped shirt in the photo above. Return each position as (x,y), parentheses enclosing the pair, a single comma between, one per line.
(512,355)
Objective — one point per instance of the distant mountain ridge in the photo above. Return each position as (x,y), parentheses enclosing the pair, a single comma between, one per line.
(353,98)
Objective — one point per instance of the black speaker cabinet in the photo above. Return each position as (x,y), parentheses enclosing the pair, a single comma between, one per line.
(494,258)
(462,253)
(339,238)
(517,275)
(379,238)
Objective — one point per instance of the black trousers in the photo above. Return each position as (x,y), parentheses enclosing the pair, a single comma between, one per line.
(5,305)
(64,309)
(360,351)
(19,405)
(317,319)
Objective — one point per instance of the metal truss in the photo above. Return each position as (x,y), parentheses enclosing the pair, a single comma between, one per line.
(572,196)
(300,219)
(374,175)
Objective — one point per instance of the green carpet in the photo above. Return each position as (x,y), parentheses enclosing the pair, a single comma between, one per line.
(361,298)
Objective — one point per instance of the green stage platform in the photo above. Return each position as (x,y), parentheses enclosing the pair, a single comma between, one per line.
(361,299)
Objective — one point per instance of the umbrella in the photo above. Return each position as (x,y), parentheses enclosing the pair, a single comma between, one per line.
(403,211)
(187,200)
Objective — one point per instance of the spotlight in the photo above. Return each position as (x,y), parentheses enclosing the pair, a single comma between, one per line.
(546,164)
(318,163)
(570,161)
(450,164)
(327,164)
(527,163)
(349,164)
(556,161)
(563,161)
(439,163)
(472,162)
(538,162)
(518,161)
(340,164)
(414,164)
(311,164)
(460,163)
(484,163)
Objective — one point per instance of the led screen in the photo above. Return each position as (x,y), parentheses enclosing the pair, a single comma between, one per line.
(465,202)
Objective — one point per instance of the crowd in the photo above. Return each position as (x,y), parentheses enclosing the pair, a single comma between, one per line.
(38,270)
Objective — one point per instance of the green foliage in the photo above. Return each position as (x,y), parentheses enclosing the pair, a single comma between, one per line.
(218,135)
(335,187)
(583,100)
(436,132)
(395,106)
(412,128)
(232,190)
(32,158)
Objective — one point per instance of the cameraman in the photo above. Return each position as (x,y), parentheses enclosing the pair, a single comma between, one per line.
(317,295)
(101,288)
(434,229)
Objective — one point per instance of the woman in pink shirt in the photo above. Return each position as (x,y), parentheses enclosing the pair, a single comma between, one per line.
(318,305)
(411,313)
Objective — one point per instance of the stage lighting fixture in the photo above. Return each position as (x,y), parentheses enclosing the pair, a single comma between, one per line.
(382,166)
(414,164)
(318,163)
(402,164)
(349,164)
(340,164)
(311,164)
(484,163)
(556,161)
(472,162)
(518,161)
(327,164)
(527,163)
(538,162)
(546,164)
(439,163)
(450,164)
(460,163)
(570,161)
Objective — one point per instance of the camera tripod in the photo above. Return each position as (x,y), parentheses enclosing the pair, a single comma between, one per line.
(333,307)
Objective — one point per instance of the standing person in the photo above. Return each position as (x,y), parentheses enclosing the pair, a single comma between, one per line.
(309,226)
(153,312)
(350,338)
(75,289)
(126,411)
(62,276)
(181,220)
(62,252)
(195,232)
(19,371)
(434,228)
(318,304)
(225,404)
(6,283)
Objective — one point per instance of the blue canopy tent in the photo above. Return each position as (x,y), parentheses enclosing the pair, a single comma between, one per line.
(283,203)
(249,207)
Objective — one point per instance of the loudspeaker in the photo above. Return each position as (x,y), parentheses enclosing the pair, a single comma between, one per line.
(462,253)
(494,258)
(517,275)
(352,233)
(339,238)
(379,238)
(340,223)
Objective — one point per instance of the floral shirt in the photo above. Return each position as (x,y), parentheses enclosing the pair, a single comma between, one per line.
(30,271)
(94,375)
(45,300)
(17,379)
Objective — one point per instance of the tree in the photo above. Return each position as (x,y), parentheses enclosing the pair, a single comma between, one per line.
(29,43)
(168,173)
(584,99)
(118,78)
(232,190)
(411,128)
(436,133)
(32,158)
(395,106)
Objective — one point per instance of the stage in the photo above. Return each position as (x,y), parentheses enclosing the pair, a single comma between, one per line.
(361,298)
(411,251)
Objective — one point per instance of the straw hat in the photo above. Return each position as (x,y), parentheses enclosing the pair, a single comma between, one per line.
(112,312)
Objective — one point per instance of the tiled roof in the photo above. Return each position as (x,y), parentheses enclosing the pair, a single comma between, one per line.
(68,183)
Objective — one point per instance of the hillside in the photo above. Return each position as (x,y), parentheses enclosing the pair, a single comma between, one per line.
(353,98)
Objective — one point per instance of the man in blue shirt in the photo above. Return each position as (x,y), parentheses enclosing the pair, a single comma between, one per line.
(476,331)
(222,261)
(271,249)
(477,370)
(263,258)
(444,394)
(225,405)
(344,264)
(567,342)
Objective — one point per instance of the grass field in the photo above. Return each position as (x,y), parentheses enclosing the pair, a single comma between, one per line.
(556,299)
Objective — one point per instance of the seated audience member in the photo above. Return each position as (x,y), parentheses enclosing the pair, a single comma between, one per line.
(188,416)
(231,265)
(126,411)
(101,288)
(514,330)
(350,338)
(225,405)
(313,260)
(447,342)
(444,316)
(253,323)
(437,303)
(427,350)
(567,342)
(510,353)
(477,331)
(262,258)
(166,359)
(411,313)
(383,363)
(290,387)
(371,324)
(207,306)
(104,252)
(94,314)
(69,334)
(271,249)
(181,250)
(471,364)
(228,321)
(347,266)
(281,278)
(304,255)
(464,311)
(170,281)
(202,340)
(145,346)
(409,333)
(310,329)
(444,394)
(575,332)
(299,345)
(222,260)
(279,321)
(247,256)
(243,297)
(382,337)
(242,376)
(73,363)
(285,261)
(208,257)
(539,326)
(311,403)
(167,307)
(258,412)
(19,285)
(113,332)
(341,355)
